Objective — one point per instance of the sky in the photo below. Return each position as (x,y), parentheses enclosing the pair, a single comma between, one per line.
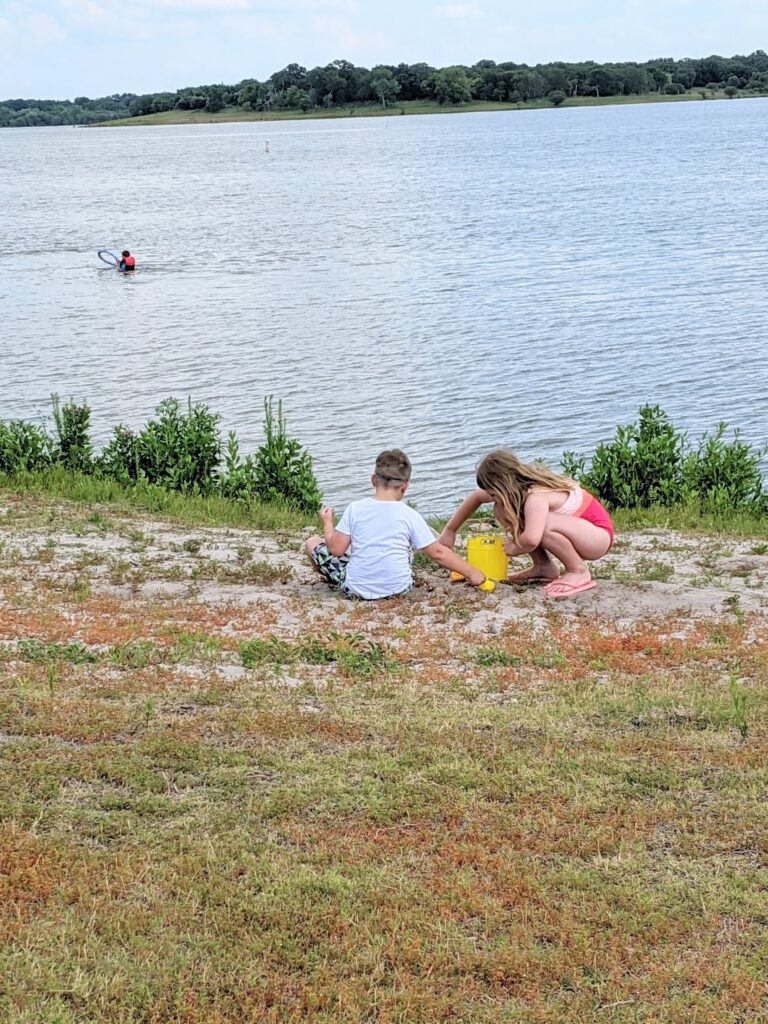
(58,49)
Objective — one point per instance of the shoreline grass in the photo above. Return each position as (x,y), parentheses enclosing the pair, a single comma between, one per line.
(218,511)
(147,498)
(407,108)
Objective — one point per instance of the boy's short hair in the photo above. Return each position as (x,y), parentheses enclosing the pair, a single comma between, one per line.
(393,467)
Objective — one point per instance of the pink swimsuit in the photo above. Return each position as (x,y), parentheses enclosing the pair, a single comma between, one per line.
(581,504)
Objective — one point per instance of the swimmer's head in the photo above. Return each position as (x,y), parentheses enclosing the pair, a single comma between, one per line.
(126,253)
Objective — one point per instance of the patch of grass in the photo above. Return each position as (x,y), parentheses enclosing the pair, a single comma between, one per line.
(653,571)
(492,657)
(44,653)
(187,648)
(254,572)
(689,519)
(355,655)
(190,509)
(134,654)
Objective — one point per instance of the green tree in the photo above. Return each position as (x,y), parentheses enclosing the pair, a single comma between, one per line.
(251,94)
(215,101)
(731,91)
(451,85)
(557,97)
(384,85)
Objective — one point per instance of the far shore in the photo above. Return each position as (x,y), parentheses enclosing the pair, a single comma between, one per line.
(231,114)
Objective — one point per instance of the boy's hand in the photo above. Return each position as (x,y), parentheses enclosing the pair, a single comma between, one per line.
(326,515)
(447,537)
(477,578)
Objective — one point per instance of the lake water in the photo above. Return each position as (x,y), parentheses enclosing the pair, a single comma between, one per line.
(441,284)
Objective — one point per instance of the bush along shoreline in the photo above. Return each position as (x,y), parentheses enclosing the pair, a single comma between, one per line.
(178,450)
(653,464)
(178,463)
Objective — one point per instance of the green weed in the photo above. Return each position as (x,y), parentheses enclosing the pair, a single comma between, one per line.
(739,706)
(355,655)
(494,657)
(38,651)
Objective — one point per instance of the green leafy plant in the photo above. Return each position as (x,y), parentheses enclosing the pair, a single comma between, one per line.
(282,468)
(40,652)
(651,463)
(739,706)
(493,657)
(24,448)
(73,423)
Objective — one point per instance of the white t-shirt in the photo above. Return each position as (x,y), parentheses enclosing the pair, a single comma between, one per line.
(383,534)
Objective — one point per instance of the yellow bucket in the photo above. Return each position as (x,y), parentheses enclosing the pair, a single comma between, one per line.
(488,555)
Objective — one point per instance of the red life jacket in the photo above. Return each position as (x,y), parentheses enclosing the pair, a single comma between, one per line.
(129,262)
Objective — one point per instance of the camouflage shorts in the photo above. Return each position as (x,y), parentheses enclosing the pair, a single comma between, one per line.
(333,569)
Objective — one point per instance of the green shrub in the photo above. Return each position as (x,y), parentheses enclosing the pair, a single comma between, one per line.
(282,468)
(181,451)
(725,475)
(24,448)
(120,458)
(651,463)
(178,450)
(73,423)
(639,468)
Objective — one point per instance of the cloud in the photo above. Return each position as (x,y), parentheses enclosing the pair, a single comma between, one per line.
(459,10)
(42,29)
(225,6)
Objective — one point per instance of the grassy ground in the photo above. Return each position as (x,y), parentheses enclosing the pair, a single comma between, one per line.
(228,796)
(211,511)
(376,110)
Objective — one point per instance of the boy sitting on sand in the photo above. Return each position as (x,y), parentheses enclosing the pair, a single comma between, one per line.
(368,555)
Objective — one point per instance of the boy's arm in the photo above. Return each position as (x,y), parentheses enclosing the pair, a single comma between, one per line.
(336,542)
(443,555)
(471,504)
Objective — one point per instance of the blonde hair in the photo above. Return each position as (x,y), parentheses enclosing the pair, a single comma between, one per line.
(510,480)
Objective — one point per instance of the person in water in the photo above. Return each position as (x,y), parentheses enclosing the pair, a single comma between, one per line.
(127,262)
(544,515)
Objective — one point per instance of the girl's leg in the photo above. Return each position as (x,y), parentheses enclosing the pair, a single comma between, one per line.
(543,568)
(574,542)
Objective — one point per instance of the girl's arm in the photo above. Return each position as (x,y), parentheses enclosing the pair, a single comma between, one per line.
(471,504)
(536,510)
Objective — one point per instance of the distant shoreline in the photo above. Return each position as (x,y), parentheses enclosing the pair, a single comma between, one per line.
(409,107)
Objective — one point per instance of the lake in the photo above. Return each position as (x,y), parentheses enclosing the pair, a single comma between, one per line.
(444,284)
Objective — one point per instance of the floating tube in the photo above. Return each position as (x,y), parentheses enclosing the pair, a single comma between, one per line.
(108,257)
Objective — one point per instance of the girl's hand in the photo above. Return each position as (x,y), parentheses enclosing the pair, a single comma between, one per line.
(326,515)
(477,578)
(447,537)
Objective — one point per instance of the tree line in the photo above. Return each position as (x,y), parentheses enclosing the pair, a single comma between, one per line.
(23,113)
(341,83)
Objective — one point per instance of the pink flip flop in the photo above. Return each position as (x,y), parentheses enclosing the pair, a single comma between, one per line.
(568,589)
